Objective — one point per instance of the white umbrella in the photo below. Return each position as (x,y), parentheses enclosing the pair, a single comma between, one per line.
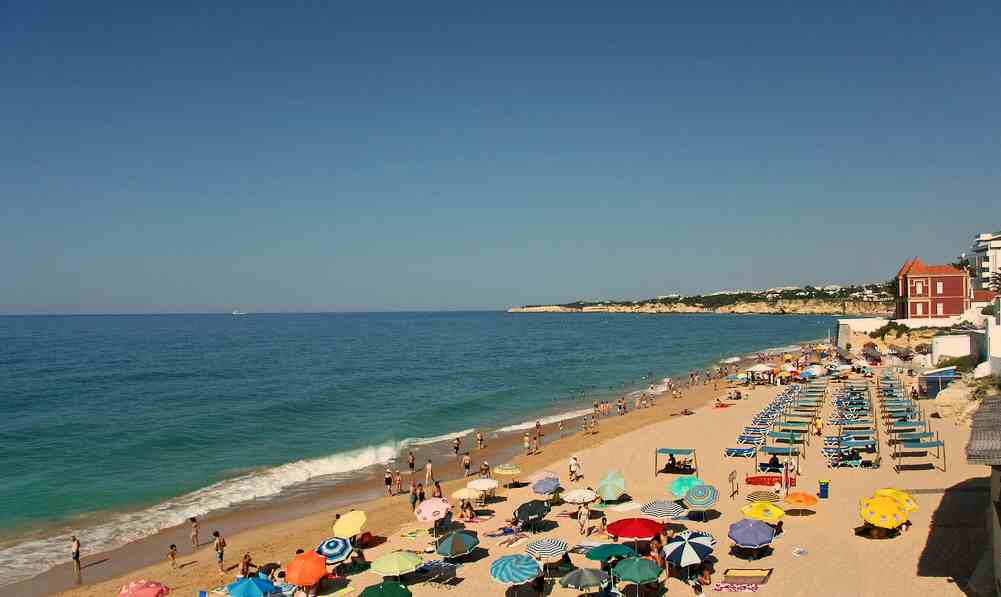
(580,496)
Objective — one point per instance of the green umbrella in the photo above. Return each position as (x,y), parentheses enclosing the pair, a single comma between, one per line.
(396,563)
(386,589)
(637,570)
(681,485)
(611,486)
(602,553)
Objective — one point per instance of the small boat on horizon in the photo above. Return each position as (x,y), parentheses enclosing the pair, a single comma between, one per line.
(238,313)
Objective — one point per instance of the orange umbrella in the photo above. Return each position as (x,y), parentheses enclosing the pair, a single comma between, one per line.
(306,569)
(799,499)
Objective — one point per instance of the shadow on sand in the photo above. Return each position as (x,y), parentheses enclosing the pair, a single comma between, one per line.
(958,534)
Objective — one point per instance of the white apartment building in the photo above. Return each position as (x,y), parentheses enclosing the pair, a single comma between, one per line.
(985,259)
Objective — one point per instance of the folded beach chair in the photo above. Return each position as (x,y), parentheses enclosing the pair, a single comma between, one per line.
(740,452)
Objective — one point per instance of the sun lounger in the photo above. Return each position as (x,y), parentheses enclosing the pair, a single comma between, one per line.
(740,452)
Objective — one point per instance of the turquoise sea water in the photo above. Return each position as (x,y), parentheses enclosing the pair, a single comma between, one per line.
(122,425)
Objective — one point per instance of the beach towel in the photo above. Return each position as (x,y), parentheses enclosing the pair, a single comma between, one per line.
(746,576)
(725,587)
(478,519)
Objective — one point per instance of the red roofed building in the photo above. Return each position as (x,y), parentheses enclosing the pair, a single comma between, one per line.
(931,291)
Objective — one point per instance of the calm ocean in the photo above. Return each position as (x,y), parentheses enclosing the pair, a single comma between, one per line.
(122,425)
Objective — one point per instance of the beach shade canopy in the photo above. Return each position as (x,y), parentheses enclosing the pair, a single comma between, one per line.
(606,551)
(662,509)
(883,511)
(433,510)
(458,543)
(763,496)
(396,563)
(635,528)
(763,511)
(483,484)
(546,486)
(701,497)
(143,588)
(532,511)
(751,534)
(507,470)
(681,485)
(515,569)
(799,499)
(612,486)
(335,550)
(580,496)
(903,498)
(306,569)
(547,549)
(582,579)
(386,589)
(689,548)
(350,524)
(637,570)
(759,368)
(252,587)
(535,478)
(466,493)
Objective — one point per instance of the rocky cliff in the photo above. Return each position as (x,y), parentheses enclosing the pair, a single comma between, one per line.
(785,306)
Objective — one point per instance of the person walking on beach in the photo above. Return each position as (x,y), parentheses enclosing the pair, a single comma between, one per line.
(75,554)
(583,517)
(560,426)
(398,481)
(172,555)
(428,473)
(219,545)
(456,446)
(411,460)
(527,443)
(194,532)
(467,462)
(420,493)
(479,440)
(388,480)
(535,445)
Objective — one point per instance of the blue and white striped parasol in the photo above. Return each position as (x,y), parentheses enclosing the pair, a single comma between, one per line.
(689,548)
(515,570)
(662,509)
(335,549)
(547,549)
(701,497)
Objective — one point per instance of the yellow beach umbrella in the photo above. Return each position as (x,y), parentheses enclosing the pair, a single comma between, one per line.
(466,494)
(882,511)
(763,511)
(903,498)
(350,524)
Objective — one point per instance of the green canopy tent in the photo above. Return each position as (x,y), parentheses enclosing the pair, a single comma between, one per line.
(676,452)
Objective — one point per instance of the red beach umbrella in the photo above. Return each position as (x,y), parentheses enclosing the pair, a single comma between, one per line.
(306,569)
(635,528)
(144,588)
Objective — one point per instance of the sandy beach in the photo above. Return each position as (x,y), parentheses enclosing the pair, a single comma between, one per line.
(935,557)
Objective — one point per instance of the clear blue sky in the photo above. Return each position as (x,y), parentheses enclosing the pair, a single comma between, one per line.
(330,156)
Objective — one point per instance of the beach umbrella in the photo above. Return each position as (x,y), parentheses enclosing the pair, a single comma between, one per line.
(612,486)
(251,587)
(547,549)
(386,588)
(143,588)
(507,470)
(350,524)
(763,496)
(662,509)
(763,511)
(800,500)
(433,510)
(751,534)
(466,493)
(883,511)
(635,528)
(701,497)
(396,563)
(335,550)
(458,543)
(689,548)
(582,579)
(515,569)
(483,484)
(681,485)
(580,496)
(903,498)
(606,551)
(546,486)
(543,475)
(637,570)
(306,569)
(532,511)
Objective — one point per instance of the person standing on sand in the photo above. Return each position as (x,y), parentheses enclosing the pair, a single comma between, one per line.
(398,481)
(467,462)
(583,517)
(428,473)
(388,480)
(456,446)
(172,555)
(535,445)
(219,545)
(411,460)
(560,426)
(75,554)
(479,440)
(413,494)
(194,532)
(527,443)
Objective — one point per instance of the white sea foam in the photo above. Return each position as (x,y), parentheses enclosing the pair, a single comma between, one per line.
(423,441)
(28,558)
(545,420)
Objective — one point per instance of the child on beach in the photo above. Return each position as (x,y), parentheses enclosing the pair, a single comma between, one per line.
(172,555)
(467,462)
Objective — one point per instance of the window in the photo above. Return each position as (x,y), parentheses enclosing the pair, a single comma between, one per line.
(918,288)
(919,309)
(940,308)
(938,287)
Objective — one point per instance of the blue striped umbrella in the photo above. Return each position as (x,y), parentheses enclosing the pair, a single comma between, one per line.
(335,549)
(547,549)
(689,548)
(546,486)
(662,509)
(701,497)
(515,570)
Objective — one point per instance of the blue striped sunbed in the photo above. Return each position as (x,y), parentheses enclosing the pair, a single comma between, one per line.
(740,452)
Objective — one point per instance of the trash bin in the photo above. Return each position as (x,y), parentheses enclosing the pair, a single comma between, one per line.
(824,488)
